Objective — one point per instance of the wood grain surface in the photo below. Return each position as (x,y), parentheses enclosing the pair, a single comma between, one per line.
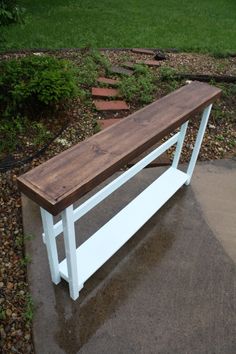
(62,180)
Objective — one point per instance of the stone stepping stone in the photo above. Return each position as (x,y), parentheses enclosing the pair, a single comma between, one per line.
(143,51)
(106,123)
(105,92)
(149,62)
(129,65)
(105,80)
(110,105)
(162,160)
(120,70)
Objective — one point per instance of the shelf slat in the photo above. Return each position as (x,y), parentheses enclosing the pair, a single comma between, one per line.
(94,252)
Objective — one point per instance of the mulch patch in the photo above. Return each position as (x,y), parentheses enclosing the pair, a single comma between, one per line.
(219,142)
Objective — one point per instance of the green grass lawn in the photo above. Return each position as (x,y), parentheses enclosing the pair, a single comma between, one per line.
(189,25)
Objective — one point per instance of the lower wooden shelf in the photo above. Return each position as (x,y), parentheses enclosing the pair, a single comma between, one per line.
(94,252)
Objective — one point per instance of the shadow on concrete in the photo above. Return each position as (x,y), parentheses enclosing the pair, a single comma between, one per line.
(105,293)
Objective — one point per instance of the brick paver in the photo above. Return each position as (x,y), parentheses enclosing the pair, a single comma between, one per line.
(110,105)
(143,51)
(105,92)
(149,62)
(108,81)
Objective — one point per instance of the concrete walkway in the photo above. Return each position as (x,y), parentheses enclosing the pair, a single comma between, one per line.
(170,289)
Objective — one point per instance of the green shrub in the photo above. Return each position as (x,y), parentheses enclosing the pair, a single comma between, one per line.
(10,12)
(168,79)
(29,309)
(32,84)
(167,73)
(139,87)
(91,64)
(9,133)
(88,72)
(14,132)
(100,59)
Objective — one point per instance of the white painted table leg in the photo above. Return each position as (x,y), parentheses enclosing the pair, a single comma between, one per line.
(198,143)
(51,245)
(70,248)
(180,144)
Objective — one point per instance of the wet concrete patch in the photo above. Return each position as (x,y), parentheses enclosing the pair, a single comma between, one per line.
(169,289)
(214,185)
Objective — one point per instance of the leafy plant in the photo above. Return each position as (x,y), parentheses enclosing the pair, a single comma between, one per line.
(217,113)
(100,59)
(10,12)
(139,87)
(92,62)
(88,72)
(9,132)
(228,90)
(167,79)
(21,239)
(14,130)
(167,73)
(25,260)
(96,126)
(31,84)
(140,69)
(42,134)
(232,90)
(220,137)
(29,309)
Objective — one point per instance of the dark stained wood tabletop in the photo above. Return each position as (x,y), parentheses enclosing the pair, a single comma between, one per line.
(62,180)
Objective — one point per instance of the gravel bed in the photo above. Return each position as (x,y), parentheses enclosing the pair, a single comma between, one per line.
(16,307)
(184,62)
